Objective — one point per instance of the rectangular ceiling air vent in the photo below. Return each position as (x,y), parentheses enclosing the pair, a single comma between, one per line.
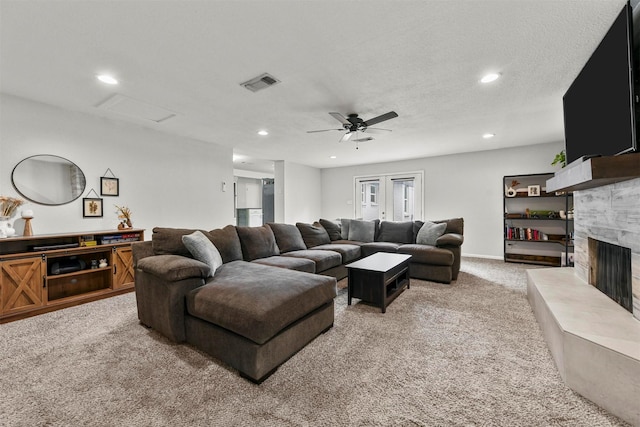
(261,82)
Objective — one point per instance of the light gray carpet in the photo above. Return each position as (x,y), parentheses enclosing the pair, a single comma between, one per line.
(466,354)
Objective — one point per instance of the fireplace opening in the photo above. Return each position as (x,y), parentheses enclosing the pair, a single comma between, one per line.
(610,271)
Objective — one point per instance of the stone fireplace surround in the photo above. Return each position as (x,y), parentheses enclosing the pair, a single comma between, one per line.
(595,342)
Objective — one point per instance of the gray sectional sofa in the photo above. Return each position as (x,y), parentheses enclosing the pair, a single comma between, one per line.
(273,288)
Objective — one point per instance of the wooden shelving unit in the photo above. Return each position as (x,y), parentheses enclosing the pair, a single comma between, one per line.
(534,232)
(49,272)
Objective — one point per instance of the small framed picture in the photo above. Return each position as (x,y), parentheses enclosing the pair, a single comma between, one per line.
(92,208)
(109,186)
(534,190)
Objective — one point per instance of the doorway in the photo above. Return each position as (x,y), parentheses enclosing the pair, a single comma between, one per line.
(391,197)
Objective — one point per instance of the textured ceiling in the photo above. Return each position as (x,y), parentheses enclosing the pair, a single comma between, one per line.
(422,59)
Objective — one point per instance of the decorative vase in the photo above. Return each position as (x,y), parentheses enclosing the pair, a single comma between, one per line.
(5,227)
(509,191)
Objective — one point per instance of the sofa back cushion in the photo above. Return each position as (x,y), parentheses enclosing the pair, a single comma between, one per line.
(333,229)
(257,242)
(363,231)
(168,241)
(397,232)
(313,234)
(226,240)
(288,237)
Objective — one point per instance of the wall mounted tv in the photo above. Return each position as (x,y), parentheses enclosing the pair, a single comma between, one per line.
(599,106)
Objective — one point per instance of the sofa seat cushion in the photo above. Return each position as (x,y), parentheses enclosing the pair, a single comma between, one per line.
(348,252)
(298,264)
(324,260)
(347,242)
(424,254)
(258,301)
(373,247)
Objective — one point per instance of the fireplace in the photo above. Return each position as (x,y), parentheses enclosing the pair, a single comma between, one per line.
(608,218)
(610,271)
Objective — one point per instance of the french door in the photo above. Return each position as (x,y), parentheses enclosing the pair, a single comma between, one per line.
(393,197)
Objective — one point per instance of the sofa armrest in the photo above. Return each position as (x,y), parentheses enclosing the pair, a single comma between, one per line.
(161,285)
(141,250)
(450,239)
(173,268)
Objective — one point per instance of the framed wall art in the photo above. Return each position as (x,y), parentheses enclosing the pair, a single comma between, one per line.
(91,207)
(533,190)
(109,186)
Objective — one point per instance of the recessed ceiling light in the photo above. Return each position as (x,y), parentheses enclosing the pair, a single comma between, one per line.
(263,133)
(488,135)
(105,78)
(333,157)
(491,77)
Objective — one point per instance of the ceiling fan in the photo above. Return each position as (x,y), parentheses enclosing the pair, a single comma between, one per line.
(352,124)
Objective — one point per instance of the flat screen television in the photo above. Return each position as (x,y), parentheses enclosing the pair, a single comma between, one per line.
(599,106)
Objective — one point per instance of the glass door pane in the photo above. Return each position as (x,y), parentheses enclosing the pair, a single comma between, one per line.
(403,199)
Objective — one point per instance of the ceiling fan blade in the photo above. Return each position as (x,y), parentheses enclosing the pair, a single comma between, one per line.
(368,138)
(375,130)
(339,117)
(346,137)
(380,118)
(323,130)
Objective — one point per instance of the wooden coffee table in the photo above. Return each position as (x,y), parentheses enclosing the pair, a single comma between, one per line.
(378,278)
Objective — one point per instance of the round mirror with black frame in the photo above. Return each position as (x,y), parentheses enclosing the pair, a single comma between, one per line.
(48,180)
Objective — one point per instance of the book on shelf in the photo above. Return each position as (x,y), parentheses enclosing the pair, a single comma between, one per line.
(119,238)
(521,233)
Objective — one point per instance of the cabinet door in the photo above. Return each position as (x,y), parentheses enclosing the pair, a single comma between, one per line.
(122,261)
(21,284)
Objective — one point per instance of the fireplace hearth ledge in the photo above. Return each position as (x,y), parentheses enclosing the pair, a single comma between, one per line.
(594,342)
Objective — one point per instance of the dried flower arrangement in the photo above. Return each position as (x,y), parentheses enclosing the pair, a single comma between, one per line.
(8,205)
(124,213)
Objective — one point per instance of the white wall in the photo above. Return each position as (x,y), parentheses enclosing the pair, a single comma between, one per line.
(461,185)
(165,180)
(302,186)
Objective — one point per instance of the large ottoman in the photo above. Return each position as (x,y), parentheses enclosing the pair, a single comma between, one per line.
(255,317)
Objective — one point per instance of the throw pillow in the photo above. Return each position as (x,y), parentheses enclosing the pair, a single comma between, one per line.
(313,234)
(288,237)
(257,242)
(203,250)
(362,231)
(344,228)
(333,229)
(430,232)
